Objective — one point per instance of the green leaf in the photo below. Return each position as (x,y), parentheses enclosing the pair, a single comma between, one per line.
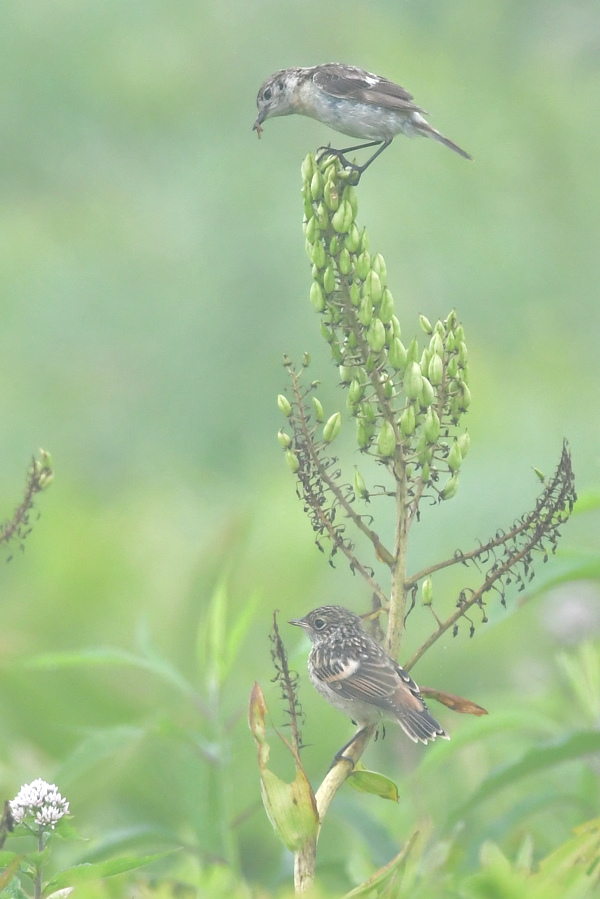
(99,870)
(383,881)
(371,782)
(532,761)
(98,746)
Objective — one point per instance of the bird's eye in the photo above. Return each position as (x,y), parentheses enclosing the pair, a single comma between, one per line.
(319,624)
(267,94)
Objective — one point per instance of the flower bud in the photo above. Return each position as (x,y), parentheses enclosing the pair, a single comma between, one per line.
(427,591)
(336,353)
(365,313)
(316,185)
(356,391)
(360,488)
(332,427)
(431,426)
(292,461)
(452,367)
(466,397)
(451,320)
(464,442)
(319,414)
(349,195)
(462,352)
(408,421)
(460,333)
(312,231)
(378,266)
(326,333)
(355,294)
(386,309)
(450,488)
(352,239)
(341,219)
(413,380)
(307,168)
(363,437)
(426,394)
(396,326)
(329,284)
(308,207)
(386,442)
(322,214)
(318,254)
(454,459)
(372,287)
(450,342)
(397,354)
(284,439)
(345,262)
(376,335)
(317,297)
(425,324)
(334,245)
(284,405)
(388,388)
(363,265)
(364,241)
(413,350)
(368,413)
(426,472)
(435,370)
(331,195)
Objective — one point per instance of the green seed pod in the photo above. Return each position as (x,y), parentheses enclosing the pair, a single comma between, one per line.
(349,195)
(396,326)
(319,257)
(317,275)
(397,354)
(308,167)
(305,359)
(292,461)
(326,333)
(332,427)
(452,367)
(466,397)
(341,219)
(386,309)
(360,488)
(362,266)
(316,185)
(427,591)
(334,245)
(435,370)
(425,324)
(365,313)
(413,350)
(462,352)
(354,294)
(464,442)
(424,362)
(284,405)
(345,262)
(364,241)
(319,414)
(331,195)
(372,287)
(440,329)
(368,413)
(426,472)
(431,426)
(312,231)
(408,421)
(336,353)
(308,206)
(378,265)
(376,335)
(450,488)
(450,342)
(317,297)
(329,283)
(345,374)
(436,344)
(356,391)
(413,380)
(427,394)
(451,321)
(284,439)
(363,438)
(352,239)
(386,442)
(388,388)
(352,341)
(454,459)
(456,409)
(460,333)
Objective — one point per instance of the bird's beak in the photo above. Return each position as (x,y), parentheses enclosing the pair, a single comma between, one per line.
(299,622)
(259,120)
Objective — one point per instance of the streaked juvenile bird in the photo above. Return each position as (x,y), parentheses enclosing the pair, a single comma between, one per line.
(350,100)
(357,676)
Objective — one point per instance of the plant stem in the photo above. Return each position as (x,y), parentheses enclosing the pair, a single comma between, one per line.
(37,883)
(398,586)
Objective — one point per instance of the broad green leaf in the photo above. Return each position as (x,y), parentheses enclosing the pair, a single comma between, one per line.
(291,807)
(372,782)
(532,761)
(99,870)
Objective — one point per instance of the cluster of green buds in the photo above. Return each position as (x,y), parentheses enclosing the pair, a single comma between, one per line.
(407,401)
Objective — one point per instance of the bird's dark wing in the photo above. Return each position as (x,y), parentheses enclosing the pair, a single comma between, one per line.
(348,83)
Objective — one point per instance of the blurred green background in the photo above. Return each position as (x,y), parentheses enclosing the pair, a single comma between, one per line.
(152,273)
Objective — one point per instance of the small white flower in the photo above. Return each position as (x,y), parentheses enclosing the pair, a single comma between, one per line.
(41,801)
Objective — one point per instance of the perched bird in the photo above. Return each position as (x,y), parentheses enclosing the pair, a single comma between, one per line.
(357,676)
(350,100)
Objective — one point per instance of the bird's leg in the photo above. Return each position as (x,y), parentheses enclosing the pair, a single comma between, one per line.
(382,145)
(340,757)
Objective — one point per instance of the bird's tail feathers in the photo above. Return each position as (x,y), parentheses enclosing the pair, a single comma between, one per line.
(428,131)
(420,725)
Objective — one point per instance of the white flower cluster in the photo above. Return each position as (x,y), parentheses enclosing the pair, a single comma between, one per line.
(40,800)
